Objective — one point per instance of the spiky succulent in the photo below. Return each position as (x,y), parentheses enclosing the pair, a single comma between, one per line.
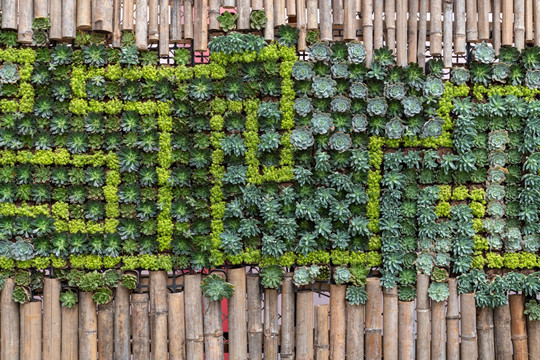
(287,35)
(215,288)
(356,295)
(69,299)
(271,276)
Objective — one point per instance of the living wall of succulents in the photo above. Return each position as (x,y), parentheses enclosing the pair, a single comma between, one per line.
(110,162)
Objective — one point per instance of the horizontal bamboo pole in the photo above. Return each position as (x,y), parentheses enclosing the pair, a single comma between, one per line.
(10,322)
(52,319)
(518,326)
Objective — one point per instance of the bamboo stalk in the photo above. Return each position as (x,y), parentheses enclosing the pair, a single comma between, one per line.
(269,11)
(374,319)
(337,11)
(496,26)
(68,19)
(177,328)
(105,330)
(127,19)
(243,15)
(304,326)
(140,327)
(237,314)
(378,23)
(518,326)
(31,330)
(519,23)
(163,27)
(422,32)
(312,15)
(87,327)
(367,29)
(536,8)
(52,319)
(255,329)
(468,326)
(390,324)
(117,32)
(188,19)
(158,314)
(55,17)
(321,332)
(213,332)
(423,315)
(257,5)
(194,337)
(287,317)
(349,24)
(25,22)
(533,332)
(84,15)
(326,20)
(279,12)
(337,321)
(40,9)
(355,331)
(412,31)
(301,24)
(502,333)
(484,326)
(438,330)
(529,21)
(176,21)
(121,324)
(447,35)
(70,326)
(507,22)
(459,41)
(9,14)
(228,4)
(102,16)
(200,36)
(452,322)
(483,20)
(472,24)
(406,330)
(141,28)
(153,23)
(435,28)
(390,23)
(401,23)
(271,325)
(291,8)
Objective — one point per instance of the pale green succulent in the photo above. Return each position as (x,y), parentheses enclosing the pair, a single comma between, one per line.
(321,123)
(302,70)
(358,90)
(359,123)
(394,129)
(340,70)
(340,104)
(500,72)
(342,275)
(356,295)
(460,75)
(9,73)
(303,106)
(394,91)
(302,138)
(324,87)
(215,288)
(271,276)
(377,106)
(356,52)
(433,127)
(433,87)
(438,291)
(412,106)
(340,142)
(532,79)
(484,53)
(319,52)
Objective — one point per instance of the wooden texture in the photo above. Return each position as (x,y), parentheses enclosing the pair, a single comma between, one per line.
(460,36)
(213,332)
(468,326)
(367,29)
(141,28)
(163,27)
(435,28)
(70,338)
(122,326)
(406,330)
(390,23)
(25,32)
(373,319)
(269,11)
(496,25)
(52,319)
(412,31)
(326,20)
(257,5)
(422,32)
(519,24)
(355,330)
(484,326)
(105,331)
(533,334)
(117,31)
(68,19)
(40,9)
(447,33)
(140,326)
(287,317)
(390,324)
(321,333)
(127,19)
(529,22)
(312,15)
(536,10)
(31,331)
(337,12)
(153,20)
(243,14)
(159,311)
(518,326)
(501,334)
(401,24)
(507,22)
(237,314)
(55,17)
(102,16)
(304,326)
(338,323)
(177,326)
(349,24)
(279,12)
(483,19)
(301,24)
(177,28)
(84,14)
(452,322)
(472,22)
(438,330)
(200,34)
(9,14)
(229,4)
(194,337)
(255,327)
(87,327)
(271,324)
(378,22)
(423,315)
(188,19)
(213,13)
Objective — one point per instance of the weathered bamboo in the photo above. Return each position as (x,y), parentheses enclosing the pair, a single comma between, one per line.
(121,324)
(213,332)
(9,14)
(519,24)
(529,18)
(452,322)
(337,11)
(468,326)
(176,21)
(52,319)
(533,334)
(279,12)
(390,23)
(518,326)
(312,15)
(228,4)
(127,19)
(141,28)
(367,29)
(287,317)
(536,8)
(140,326)
(271,325)
(374,319)
(102,16)
(377,22)
(117,31)
(194,337)
(472,24)
(459,39)
(390,324)
(25,22)
(412,31)
(304,325)
(496,25)
(258,5)
(269,11)
(105,331)
(422,32)
(483,20)
(84,14)
(237,314)
(337,321)
(177,328)
(87,327)
(447,33)
(321,333)
(502,334)
(435,28)
(507,22)
(401,24)
(188,19)
(243,15)
(68,19)
(301,24)
(349,24)
(325,12)
(406,330)
(255,329)
(423,315)
(55,17)
(291,8)
(40,9)
(484,326)
(438,330)
(355,331)
(158,314)
(200,35)
(163,27)
(153,23)
(70,326)
(31,331)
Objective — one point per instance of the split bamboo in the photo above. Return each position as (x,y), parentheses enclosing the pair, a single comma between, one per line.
(337,12)
(423,315)
(326,20)
(255,329)
(279,12)
(536,8)
(271,325)
(121,324)
(55,17)
(105,331)
(87,327)
(533,333)
(349,25)
(140,327)
(355,331)
(176,21)
(84,14)
(412,31)
(390,23)
(70,326)
(177,327)
(287,317)
(68,19)
(518,326)
(406,330)
(25,22)
(301,24)
(435,28)
(321,332)
(188,19)
(378,22)
(452,322)
(501,345)
(213,332)
(484,326)
(153,22)
(438,330)
(519,23)
(158,314)
(194,337)
(102,16)
(529,22)
(422,32)
(507,22)
(367,29)
(374,319)
(472,24)
(127,19)
(213,13)
(496,25)
(237,314)
(200,35)
(52,319)
(459,42)
(483,20)
(468,326)
(269,11)
(243,14)
(117,32)
(338,324)
(31,331)
(401,24)
(163,27)
(390,324)
(141,29)
(312,15)
(304,326)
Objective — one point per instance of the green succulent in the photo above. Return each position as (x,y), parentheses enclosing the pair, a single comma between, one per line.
(438,291)
(460,75)
(339,141)
(302,138)
(227,21)
(182,56)
(271,276)
(287,35)
(102,296)
(9,73)
(69,299)
(484,53)
(258,20)
(215,288)
(356,295)
(21,294)
(324,87)
(302,70)
(320,52)
(356,52)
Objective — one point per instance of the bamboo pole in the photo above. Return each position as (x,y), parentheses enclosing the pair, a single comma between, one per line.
(312,15)
(87,327)
(200,36)
(423,315)
(194,337)
(519,23)
(52,319)
(447,35)
(117,32)
(31,331)
(68,19)
(127,19)
(355,331)
(304,326)
(390,23)
(158,314)
(390,324)
(468,326)
(374,319)
(435,28)
(291,8)
(237,314)
(177,327)
(255,329)
(70,340)
(377,22)
(213,332)
(258,5)
(9,14)
(452,322)
(502,333)
(271,325)
(438,330)
(406,330)
(337,321)
(102,16)
(25,22)
(163,27)
(176,21)
(229,4)
(188,19)
(472,24)
(326,20)
(422,32)
(484,326)
(140,327)
(84,15)
(483,20)
(321,332)
(412,32)
(533,332)
(153,23)
(269,11)
(40,9)
(367,29)
(301,24)
(459,41)
(518,326)
(496,25)
(401,24)
(507,22)
(287,317)
(141,28)
(337,11)
(121,324)
(279,12)
(105,331)
(529,21)
(55,17)
(349,24)
(243,14)
(536,8)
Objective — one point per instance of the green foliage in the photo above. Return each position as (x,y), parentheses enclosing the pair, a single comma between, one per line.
(215,288)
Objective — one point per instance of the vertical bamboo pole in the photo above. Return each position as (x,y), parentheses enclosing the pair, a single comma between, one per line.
(25,22)
(52,319)
(176,21)
(269,11)
(502,333)
(127,19)
(84,14)
(519,23)
(68,19)
(279,12)
(337,321)
(377,23)
(213,332)
(412,32)
(177,327)
(40,9)
(9,14)
(337,10)
(117,31)
(373,319)
(200,38)
(321,333)
(70,340)
(194,337)
(188,19)
(312,15)
(529,21)
(507,22)
(291,8)
(518,326)
(31,328)
(304,326)
(287,317)
(55,17)
(484,325)
(533,332)
(401,22)
(87,327)
(258,4)
(158,314)
(163,27)
(243,15)
(105,330)
(496,25)
(459,42)
(468,326)
(102,16)
(422,32)
(472,24)
(301,24)
(140,327)
(483,20)
(355,331)
(447,35)
(406,330)
(271,325)
(367,29)
(390,23)
(237,314)
(121,324)
(349,25)
(390,324)
(423,315)
(325,13)
(255,329)
(435,28)
(452,322)
(536,8)
(141,27)
(153,27)
(438,330)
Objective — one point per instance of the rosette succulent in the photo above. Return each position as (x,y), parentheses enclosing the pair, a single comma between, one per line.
(460,75)
(324,87)
(356,295)
(319,52)
(215,288)
(500,72)
(302,70)
(342,275)
(340,70)
(358,90)
(302,138)
(340,142)
(438,291)
(359,123)
(394,129)
(9,73)
(340,104)
(412,106)
(258,20)
(271,276)
(433,87)
(287,35)
(303,106)
(356,52)
(394,91)
(227,21)
(321,123)
(433,128)
(532,79)
(484,53)
(377,106)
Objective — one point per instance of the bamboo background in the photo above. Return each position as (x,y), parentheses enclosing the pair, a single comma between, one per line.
(168,318)
(412,28)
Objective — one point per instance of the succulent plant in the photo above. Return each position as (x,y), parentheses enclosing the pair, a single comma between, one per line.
(303,106)
(532,79)
(215,288)
(433,127)
(359,123)
(358,90)
(340,142)
(500,72)
(287,35)
(227,21)
(439,275)
(340,70)
(356,295)
(302,138)
(271,276)
(21,250)
(433,87)
(21,294)
(460,75)
(321,123)
(312,37)
(69,299)
(395,91)
(305,275)
(129,281)
(532,309)
(9,73)
(394,128)
(356,52)
(497,140)
(342,275)
(302,70)
(438,291)
(324,87)
(412,105)
(258,20)
(484,53)
(319,52)
(377,106)
(340,104)
(102,296)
